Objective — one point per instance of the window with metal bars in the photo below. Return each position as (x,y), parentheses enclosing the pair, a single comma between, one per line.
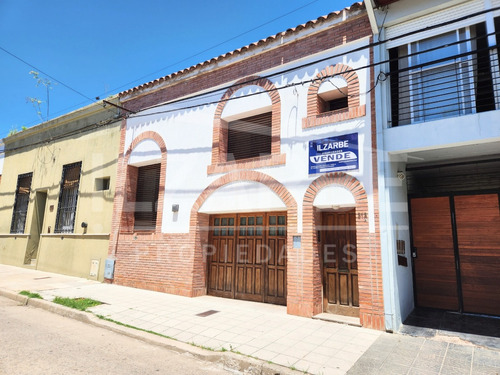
(146,199)
(249,137)
(443,76)
(21,203)
(68,197)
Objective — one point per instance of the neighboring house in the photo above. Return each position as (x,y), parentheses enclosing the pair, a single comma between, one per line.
(438,124)
(57,191)
(2,155)
(252,176)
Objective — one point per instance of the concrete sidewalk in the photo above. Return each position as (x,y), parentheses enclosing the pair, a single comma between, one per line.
(258,330)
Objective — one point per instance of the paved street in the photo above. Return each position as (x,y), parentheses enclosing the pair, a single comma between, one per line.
(249,329)
(35,341)
(399,354)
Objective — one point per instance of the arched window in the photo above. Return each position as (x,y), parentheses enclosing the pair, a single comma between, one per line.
(333,97)
(144,190)
(247,127)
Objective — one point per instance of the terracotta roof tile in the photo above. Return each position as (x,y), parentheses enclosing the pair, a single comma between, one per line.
(355,6)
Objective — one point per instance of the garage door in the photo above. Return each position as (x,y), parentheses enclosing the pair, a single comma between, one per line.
(456,240)
(247,257)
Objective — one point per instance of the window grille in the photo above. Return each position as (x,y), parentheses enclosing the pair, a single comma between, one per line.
(444,76)
(21,203)
(68,197)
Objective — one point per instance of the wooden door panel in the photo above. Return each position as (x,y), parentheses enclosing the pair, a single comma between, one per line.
(221,258)
(478,234)
(220,280)
(249,260)
(344,289)
(258,280)
(275,277)
(228,278)
(240,279)
(355,290)
(339,257)
(213,277)
(331,287)
(271,282)
(281,283)
(434,267)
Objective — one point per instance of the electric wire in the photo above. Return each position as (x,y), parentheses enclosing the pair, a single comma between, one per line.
(215,46)
(45,74)
(369,45)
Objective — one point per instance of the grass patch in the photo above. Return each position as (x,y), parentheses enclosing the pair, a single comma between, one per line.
(29,294)
(133,327)
(81,304)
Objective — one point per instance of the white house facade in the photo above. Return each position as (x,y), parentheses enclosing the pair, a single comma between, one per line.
(438,135)
(252,176)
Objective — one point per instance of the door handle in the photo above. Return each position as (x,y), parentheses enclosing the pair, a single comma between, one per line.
(414,252)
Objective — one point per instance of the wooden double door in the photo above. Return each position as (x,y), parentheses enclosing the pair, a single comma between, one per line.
(456,252)
(247,257)
(339,263)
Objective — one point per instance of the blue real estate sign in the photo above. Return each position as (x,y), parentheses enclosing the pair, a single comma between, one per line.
(333,154)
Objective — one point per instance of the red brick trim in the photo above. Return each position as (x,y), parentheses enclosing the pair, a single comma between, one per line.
(315,114)
(219,139)
(199,222)
(352,30)
(127,214)
(369,257)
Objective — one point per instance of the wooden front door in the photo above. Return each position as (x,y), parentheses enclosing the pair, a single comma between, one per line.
(340,267)
(434,266)
(247,259)
(456,241)
(478,237)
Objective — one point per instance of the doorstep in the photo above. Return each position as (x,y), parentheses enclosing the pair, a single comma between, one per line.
(349,320)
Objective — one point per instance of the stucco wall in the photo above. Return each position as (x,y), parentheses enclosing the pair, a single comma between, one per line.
(188,138)
(98,152)
(72,255)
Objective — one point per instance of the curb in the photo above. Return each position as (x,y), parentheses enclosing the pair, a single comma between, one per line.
(228,360)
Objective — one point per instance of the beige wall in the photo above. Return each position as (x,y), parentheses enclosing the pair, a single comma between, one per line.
(12,249)
(98,152)
(72,255)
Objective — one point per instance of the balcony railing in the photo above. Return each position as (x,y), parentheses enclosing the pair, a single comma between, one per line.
(456,85)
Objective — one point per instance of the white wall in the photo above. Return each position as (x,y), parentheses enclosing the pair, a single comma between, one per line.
(440,134)
(438,139)
(188,138)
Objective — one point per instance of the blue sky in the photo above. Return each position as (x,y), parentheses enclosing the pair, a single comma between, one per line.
(99,48)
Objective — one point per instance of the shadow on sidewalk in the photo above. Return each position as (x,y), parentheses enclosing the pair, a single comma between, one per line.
(479,329)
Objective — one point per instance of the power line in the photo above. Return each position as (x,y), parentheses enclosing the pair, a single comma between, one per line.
(45,74)
(145,76)
(214,46)
(369,45)
(301,66)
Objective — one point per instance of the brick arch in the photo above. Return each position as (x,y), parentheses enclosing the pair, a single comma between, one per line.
(315,115)
(129,186)
(219,139)
(199,222)
(143,136)
(368,249)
